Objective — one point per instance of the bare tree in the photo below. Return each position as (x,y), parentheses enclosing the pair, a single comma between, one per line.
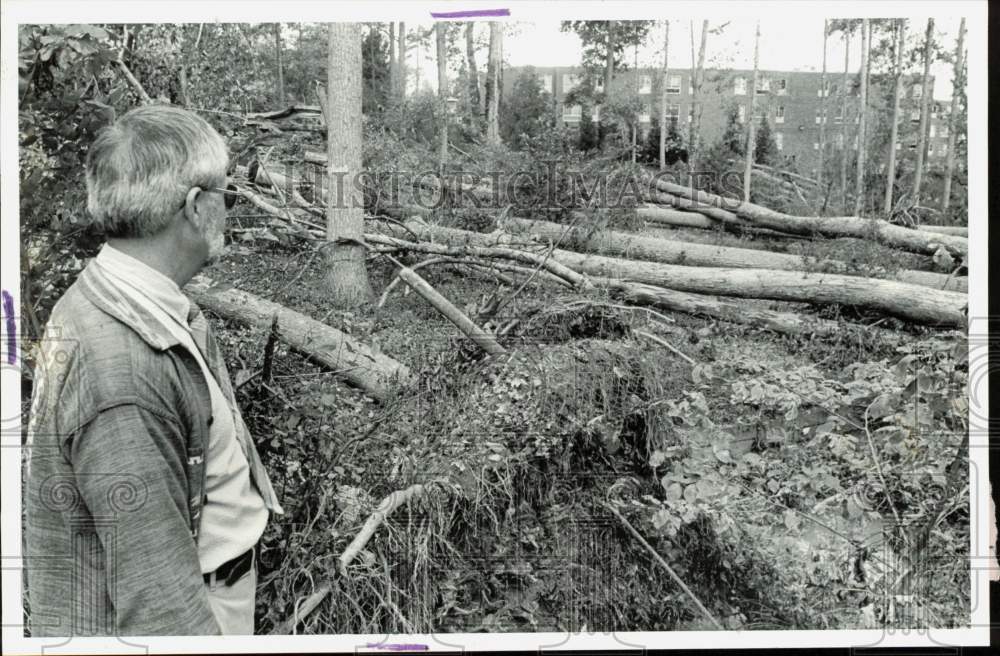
(475,99)
(493,84)
(751,124)
(663,97)
(696,79)
(890,175)
(401,61)
(347,278)
(859,179)
(822,113)
(958,79)
(845,146)
(278,64)
(441,30)
(925,105)
(393,66)
(609,61)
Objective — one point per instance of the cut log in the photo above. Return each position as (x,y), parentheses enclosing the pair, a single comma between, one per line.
(292,110)
(375,373)
(961,231)
(916,241)
(623,244)
(906,301)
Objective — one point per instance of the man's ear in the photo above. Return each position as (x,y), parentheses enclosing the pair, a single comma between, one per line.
(191,207)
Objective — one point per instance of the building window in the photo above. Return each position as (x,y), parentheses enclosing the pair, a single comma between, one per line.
(546,81)
(674,115)
(917,91)
(932,131)
(569,82)
(779,140)
(819,116)
(644,114)
(944,129)
(599,85)
(943,148)
(779,114)
(645,84)
(915,115)
(815,145)
(572,113)
(596,114)
(825,89)
(691,115)
(763,84)
(674,84)
(741,113)
(781,87)
(898,145)
(740,86)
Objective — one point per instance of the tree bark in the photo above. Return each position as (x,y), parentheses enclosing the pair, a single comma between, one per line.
(475,98)
(846,145)
(822,113)
(401,61)
(751,120)
(925,119)
(916,241)
(957,82)
(684,219)
(609,62)
(441,30)
(890,176)
(347,278)
(493,84)
(663,97)
(623,244)
(371,371)
(944,230)
(694,138)
(859,180)
(909,302)
(393,65)
(280,89)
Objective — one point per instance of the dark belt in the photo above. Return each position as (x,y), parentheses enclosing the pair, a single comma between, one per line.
(233,570)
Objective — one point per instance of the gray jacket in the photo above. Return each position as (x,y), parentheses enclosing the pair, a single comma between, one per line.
(116,475)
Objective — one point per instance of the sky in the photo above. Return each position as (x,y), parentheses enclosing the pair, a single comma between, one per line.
(541,43)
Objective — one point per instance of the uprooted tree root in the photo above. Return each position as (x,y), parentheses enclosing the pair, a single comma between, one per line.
(529,446)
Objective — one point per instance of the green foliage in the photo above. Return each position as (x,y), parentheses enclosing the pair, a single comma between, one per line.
(765,149)
(594,36)
(589,137)
(650,152)
(527,111)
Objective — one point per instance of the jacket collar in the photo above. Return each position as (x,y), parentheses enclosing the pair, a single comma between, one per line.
(104,294)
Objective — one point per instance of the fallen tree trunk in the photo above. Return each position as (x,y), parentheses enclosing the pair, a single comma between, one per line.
(910,302)
(685,219)
(961,231)
(916,241)
(623,244)
(373,372)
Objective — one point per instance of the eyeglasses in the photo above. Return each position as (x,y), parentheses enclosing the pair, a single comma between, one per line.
(229,195)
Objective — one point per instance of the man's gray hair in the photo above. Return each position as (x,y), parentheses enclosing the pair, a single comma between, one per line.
(141,167)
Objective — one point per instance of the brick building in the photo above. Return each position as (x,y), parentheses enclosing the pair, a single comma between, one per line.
(792,101)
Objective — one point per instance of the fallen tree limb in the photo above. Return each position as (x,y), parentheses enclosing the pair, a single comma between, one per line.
(291,110)
(384,509)
(903,300)
(375,373)
(623,244)
(663,563)
(916,241)
(691,219)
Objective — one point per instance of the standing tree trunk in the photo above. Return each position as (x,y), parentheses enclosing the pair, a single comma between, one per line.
(845,146)
(401,61)
(280,91)
(694,137)
(442,66)
(859,178)
(609,61)
(493,84)
(663,97)
(475,98)
(925,106)
(958,80)
(890,175)
(347,278)
(822,115)
(751,125)
(393,66)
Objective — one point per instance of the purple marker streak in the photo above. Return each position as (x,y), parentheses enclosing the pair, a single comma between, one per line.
(471,13)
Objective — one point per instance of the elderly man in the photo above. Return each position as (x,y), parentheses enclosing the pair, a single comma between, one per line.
(145,495)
